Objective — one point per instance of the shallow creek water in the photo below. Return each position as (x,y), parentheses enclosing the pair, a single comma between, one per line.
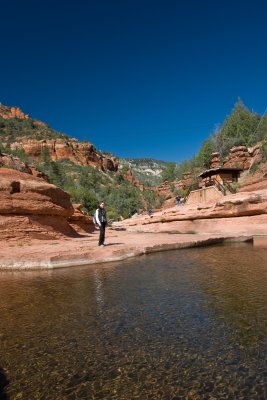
(187,324)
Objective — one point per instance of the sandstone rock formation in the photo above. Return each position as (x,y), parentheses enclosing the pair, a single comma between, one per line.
(30,207)
(239,157)
(12,112)
(15,112)
(215,160)
(130,178)
(72,149)
(242,213)
(80,221)
(254,181)
(167,189)
(243,157)
(58,148)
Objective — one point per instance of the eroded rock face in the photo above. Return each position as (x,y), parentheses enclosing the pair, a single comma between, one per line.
(12,112)
(58,149)
(22,193)
(166,189)
(130,178)
(215,160)
(26,227)
(242,212)
(254,181)
(80,221)
(32,207)
(15,112)
(243,157)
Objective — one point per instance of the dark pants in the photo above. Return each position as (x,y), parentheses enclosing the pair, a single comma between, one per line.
(102,233)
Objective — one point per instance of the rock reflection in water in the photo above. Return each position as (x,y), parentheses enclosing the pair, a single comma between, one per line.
(187,324)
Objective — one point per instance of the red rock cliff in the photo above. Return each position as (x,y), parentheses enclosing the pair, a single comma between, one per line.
(15,112)
(58,148)
(77,152)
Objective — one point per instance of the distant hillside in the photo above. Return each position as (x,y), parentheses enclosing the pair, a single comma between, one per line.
(87,174)
(36,140)
(147,170)
(14,124)
(18,131)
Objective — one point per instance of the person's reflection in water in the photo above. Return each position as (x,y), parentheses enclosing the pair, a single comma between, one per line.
(3,383)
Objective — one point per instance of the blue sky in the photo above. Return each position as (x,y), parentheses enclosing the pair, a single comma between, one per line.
(137,78)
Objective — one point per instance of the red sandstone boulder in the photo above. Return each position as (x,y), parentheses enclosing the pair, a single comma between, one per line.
(22,193)
(30,207)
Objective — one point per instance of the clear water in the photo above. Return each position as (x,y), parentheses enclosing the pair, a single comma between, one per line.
(186,324)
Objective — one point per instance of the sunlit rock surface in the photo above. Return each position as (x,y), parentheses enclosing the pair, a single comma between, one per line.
(30,207)
(239,213)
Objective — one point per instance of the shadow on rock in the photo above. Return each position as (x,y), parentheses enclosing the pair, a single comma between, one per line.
(112,244)
(3,383)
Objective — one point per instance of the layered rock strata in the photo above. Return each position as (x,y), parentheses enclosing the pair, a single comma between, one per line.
(15,112)
(30,207)
(80,221)
(58,149)
(243,157)
(242,213)
(130,178)
(12,112)
(252,181)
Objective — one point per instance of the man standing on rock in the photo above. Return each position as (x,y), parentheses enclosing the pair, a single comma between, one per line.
(101,219)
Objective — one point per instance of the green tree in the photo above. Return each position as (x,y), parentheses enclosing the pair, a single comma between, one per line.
(238,129)
(150,199)
(169,173)
(203,158)
(45,155)
(261,131)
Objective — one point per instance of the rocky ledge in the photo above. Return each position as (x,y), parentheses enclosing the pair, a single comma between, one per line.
(239,214)
(85,251)
(79,153)
(34,210)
